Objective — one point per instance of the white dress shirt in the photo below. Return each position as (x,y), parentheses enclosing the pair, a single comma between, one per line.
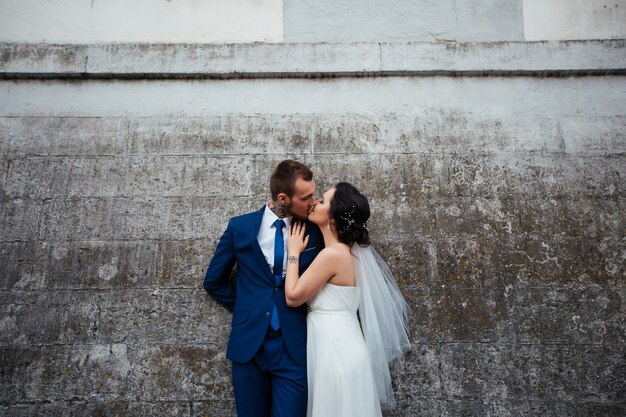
(267,231)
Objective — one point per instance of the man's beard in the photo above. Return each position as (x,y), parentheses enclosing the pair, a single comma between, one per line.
(289,207)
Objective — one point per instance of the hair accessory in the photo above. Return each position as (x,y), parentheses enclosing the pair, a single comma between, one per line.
(347,216)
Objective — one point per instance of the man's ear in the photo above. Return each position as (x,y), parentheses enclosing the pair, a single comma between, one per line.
(282,198)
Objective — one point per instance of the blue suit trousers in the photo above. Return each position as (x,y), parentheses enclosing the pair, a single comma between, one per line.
(272,384)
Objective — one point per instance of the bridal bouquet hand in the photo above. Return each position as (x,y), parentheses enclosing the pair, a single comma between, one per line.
(297,241)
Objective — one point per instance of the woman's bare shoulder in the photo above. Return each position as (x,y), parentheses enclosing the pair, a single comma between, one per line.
(335,252)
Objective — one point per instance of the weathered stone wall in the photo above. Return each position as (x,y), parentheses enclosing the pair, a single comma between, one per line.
(497,196)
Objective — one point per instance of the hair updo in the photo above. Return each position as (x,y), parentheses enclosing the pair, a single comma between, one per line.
(350,211)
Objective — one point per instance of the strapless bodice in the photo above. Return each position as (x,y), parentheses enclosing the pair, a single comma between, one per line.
(335,298)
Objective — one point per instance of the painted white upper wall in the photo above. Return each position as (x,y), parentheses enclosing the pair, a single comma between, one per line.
(403,20)
(243,21)
(453,20)
(574,19)
(150,21)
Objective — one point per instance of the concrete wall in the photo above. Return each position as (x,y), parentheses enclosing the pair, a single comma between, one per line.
(451,20)
(495,173)
(221,21)
(574,19)
(166,21)
(403,21)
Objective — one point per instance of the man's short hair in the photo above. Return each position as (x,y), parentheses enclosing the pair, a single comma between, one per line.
(285,175)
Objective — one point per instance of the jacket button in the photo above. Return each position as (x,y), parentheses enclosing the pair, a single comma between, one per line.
(267,314)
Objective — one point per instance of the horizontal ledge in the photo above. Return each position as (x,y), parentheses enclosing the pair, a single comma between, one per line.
(311,61)
(306,75)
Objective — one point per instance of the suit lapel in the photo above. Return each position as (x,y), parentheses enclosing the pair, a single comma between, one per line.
(258,217)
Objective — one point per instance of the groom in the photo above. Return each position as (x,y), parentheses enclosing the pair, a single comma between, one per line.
(267,343)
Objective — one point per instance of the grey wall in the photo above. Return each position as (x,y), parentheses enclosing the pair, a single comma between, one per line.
(403,21)
(497,196)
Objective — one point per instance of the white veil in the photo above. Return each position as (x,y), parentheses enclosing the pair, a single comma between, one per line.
(384,318)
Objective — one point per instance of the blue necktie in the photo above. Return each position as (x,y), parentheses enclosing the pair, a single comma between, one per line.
(279,251)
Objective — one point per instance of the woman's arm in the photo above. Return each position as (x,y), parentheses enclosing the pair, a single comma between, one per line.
(299,290)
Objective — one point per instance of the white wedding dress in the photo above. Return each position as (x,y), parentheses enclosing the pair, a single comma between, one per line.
(340,377)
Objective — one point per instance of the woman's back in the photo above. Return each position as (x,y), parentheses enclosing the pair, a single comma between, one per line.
(344,265)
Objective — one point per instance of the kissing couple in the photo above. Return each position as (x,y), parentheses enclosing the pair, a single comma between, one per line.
(297,252)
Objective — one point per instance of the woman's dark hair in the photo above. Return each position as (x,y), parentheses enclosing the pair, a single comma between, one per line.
(350,211)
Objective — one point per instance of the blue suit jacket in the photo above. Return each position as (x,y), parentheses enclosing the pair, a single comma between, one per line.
(254,293)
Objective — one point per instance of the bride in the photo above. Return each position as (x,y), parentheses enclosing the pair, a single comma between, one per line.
(348,357)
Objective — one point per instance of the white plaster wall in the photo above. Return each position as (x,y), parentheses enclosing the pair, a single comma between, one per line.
(574,19)
(403,20)
(151,21)
(503,97)
(226,21)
